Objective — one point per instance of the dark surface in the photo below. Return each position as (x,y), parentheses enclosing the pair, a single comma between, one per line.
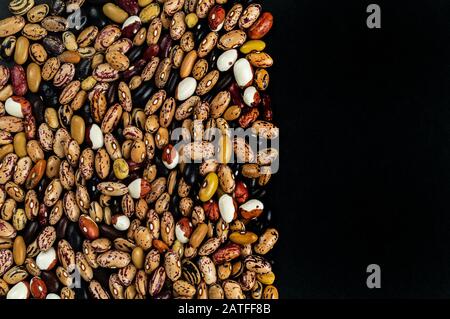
(365,130)
(365,156)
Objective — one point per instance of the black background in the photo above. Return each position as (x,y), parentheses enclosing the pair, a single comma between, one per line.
(364,149)
(364,177)
(365,133)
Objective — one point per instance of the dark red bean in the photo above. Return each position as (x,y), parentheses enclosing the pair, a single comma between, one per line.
(235,92)
(133,166)
(43,215)
(165,46)
(130,6)
(266,105)
(151,51)
(61,227)
(130,30)
(109,232)
(135,69)
(19,80)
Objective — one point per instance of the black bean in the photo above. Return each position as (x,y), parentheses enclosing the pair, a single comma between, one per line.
(214,55)
(236,167)
(165,294)
(58,7)
(172,83)
(174,206)
(53,45)
(95,16)
(86,114)
(162,169)
(38,107)
(208,97)
(258,193)
(224,82)
(74,236)
(110,232)
(102,276)
(82,292)
(115,205)
(49,94)
(112,93)
(30,231)
(91,186)
(267,217)
(233,124)
(61,228)
(41,187)
(135,53)
(200,31)
(83,69)
(190,173)
(165,46)
(51,281)
(143,93)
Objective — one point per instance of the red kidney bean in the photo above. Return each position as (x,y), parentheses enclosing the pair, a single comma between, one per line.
(165,46)
(261,27)
(109,232)
(216,18)
(19,80)
(236,95)
(131,29)
(135,69)
(133,166)
(151,51)
(211,209)
(241,192)
(266,106)
(43,215)
(130,6)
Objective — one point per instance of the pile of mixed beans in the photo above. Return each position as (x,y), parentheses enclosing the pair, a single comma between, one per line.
(98,197)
